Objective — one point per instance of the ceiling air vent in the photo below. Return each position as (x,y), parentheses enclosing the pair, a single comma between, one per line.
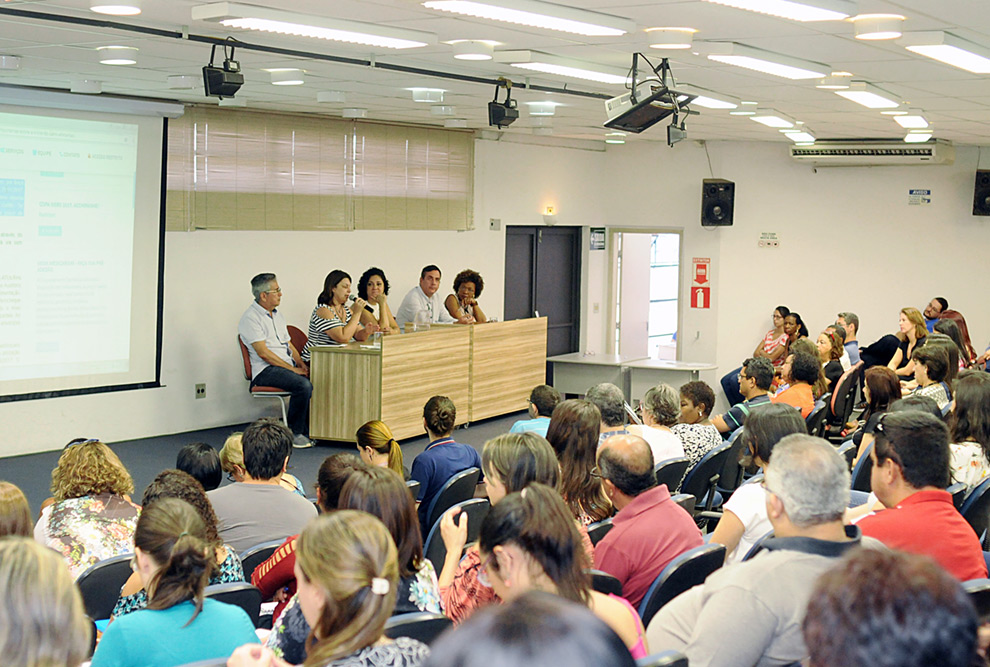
(874,153)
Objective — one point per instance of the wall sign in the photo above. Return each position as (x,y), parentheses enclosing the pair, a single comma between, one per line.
(597,238)
(919,197)
(701,289)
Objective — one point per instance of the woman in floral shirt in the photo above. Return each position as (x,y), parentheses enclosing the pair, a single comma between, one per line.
(970,427)
(92,518)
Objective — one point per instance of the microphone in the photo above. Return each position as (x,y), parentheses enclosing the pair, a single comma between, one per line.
(366,306)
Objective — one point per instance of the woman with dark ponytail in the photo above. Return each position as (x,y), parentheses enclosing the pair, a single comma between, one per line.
(174,560)
(378,447)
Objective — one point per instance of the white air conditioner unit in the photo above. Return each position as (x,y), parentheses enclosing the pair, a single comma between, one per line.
(874,153)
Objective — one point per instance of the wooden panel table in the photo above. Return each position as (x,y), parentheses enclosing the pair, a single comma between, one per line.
(508,359)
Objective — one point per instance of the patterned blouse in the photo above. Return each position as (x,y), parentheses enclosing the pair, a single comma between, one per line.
(229,571)
(89,529)
(968,463)
(698,439)
(770,345)
(320,327)
(403,652)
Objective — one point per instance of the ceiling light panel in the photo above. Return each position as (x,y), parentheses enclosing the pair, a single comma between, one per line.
(249,17)
(869,96)
(772,118)
(808,10)
(949,49)
(535,61)
(538,14)
(917,137)
(130,8)
(878,26)
(731,53)
(912,120)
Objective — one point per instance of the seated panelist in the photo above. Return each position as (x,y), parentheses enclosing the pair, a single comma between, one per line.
(373,288)
(332,321)
(422,304)
(463,303)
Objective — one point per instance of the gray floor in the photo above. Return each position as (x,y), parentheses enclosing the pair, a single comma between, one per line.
(147,457)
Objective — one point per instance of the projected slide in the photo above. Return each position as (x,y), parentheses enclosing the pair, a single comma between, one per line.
(67,217)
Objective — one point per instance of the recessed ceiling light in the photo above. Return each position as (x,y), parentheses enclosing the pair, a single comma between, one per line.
(806,10)
(671,38)
(473,49)
(354,112)
(287,77)
(538,14)
(10,63)
(129,8)
(878,26)
(331,96)
(869,96)
(767,62)
(86,86)
(117,55)
(249,17)
(949,49)
(772,118)
(433,95)
(548,64)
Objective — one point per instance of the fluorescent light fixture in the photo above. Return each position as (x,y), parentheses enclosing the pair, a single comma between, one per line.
(833,83)
(542,108)
(671,38)
(432,95)
(615,138)
(287,77)
(473,49)
(442,110)
(949,49)
(129,8)
(457,123)
(708,99)
(868,96)
(877,26)
(86,86)
(806,10)
(912,120)
(10,63)
(538,14)
(117,55)
(772,118)
(536,61)
(743,112)
(802,137)
(331,96)
(235,102)
(184,82)
(249,17)
(767,62)
(918,137)
(354,112)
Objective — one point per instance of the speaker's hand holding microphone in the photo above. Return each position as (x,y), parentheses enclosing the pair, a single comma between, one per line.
(360,303)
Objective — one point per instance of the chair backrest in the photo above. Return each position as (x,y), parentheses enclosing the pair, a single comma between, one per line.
(599,529)
(665,659)
(254,556)
(246,358)
(685,500)
(239,594)
(457,489)
(946,410)
(732,472)
(816,418)
(686,571)
(861,471)
(705,474)
(979,593)
(603,582)
(298,338)
(847,450)
(843,399)
(422,625)
(475,509)
(757,546)
(100,585)
(958,493)
(976,509)
(671,472)
(413,485)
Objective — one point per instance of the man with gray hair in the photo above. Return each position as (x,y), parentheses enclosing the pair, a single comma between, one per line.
(751,613)
(611,402)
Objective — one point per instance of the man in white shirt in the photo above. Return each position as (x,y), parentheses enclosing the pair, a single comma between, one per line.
(424,299)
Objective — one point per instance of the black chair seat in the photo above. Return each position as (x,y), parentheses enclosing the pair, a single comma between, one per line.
(424,626)
(239,594)
(686,571)
(100,585)
(862,470)
(603,582)
(254,556)
(476,509)
(455,490)
(701,480)
(599,529)
(671,472)
(413,487)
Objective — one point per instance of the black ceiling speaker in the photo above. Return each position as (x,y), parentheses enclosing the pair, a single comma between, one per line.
(981,194)
(717,196)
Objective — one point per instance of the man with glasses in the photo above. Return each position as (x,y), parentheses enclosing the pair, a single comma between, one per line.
(910,458)
(755,378)
(275,362)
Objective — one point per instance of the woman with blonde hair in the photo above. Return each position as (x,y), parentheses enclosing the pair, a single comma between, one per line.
(378,447)
(44,623)
(912,331)
(174,559)
(92,517)
(232,463)
(15,515)
(348,574)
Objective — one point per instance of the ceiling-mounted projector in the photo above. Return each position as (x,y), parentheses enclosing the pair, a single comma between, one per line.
(647,103)
(502,114)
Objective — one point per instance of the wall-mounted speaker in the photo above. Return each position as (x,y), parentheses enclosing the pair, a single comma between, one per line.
(981,194)
(717,196)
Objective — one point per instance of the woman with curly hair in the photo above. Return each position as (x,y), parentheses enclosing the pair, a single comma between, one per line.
(373,288)
(181,485)
(92,518)
(463,303)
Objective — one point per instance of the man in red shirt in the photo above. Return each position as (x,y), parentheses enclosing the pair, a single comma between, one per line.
(910,472)
(650,529)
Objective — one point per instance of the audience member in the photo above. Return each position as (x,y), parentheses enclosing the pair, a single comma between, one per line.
(942,340)
(951,329)
(911,335)
(795,328)
(969,426)
(373,288)
(660,409)
(92,518)
(750,613)
(443,457)
(611,403)
(802,370)
(275,362)
(422,304)
(44,623)
(933,310)
(536,629)
(573,434)
(910,458)
(649,529)
(202,462)
(257,509)
(15,514)
(744,519)
(881,388)
(462,305)
(177,484)
(232,463)
(807,346)
(773,347)
(542,401)
(174,558)
(511,463)
(755,378)
(333,322)
(695,431)
(348,574)
(890,609)
(378,447)
(830,350)
(840,331)
(850,323)
(930,365)
(956,317)
(528,541)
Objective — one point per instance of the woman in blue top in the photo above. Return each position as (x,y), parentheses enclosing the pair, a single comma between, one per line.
(174,560)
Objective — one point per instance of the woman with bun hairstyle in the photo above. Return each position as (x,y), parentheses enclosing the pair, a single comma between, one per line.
(174,559)
(378,447)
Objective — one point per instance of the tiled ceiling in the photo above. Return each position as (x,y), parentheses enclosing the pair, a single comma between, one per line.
(55,50)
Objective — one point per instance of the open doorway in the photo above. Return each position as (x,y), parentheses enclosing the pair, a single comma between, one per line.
(645,312)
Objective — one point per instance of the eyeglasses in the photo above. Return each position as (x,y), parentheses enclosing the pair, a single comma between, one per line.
(230,477)
(483,578)
(274,291)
